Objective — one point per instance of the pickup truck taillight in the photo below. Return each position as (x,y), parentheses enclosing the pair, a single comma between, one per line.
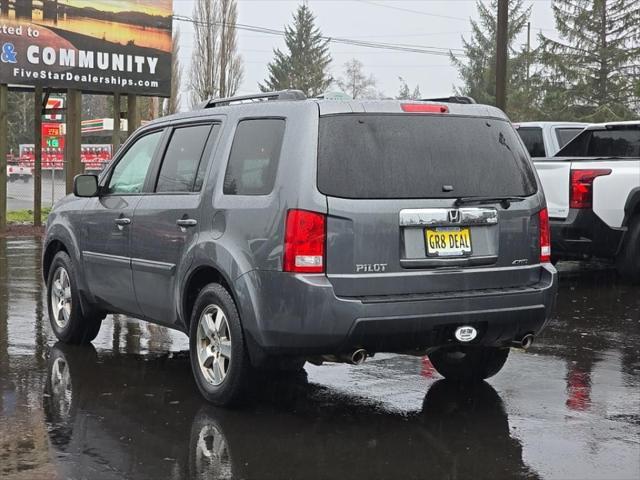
(304,244)
(581,192)
(545,236)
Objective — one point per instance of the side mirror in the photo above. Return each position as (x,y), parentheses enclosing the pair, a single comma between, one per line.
(85,186)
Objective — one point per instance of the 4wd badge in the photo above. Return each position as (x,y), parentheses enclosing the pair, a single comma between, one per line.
(466,333)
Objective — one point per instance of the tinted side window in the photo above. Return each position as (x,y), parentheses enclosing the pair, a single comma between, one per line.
(616,142)
(202,169)
(532,138)
(131,171)
(182,159)
(254,157)
(565,135)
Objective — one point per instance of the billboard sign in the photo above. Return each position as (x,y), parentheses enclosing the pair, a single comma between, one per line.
(90,45)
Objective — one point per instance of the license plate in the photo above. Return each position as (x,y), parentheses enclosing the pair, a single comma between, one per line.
(448,241)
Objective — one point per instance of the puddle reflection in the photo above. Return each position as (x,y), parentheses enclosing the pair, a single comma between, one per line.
(142,418)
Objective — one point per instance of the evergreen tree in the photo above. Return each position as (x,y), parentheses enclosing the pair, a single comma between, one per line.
(478,72)
(591,74)
(306,64)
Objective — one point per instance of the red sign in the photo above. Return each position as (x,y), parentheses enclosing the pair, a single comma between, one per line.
(51,130)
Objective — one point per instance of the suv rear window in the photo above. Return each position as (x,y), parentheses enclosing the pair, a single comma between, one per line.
(416,156)
(532,139)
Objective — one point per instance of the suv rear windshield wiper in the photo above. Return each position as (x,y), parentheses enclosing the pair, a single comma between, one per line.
(505,202)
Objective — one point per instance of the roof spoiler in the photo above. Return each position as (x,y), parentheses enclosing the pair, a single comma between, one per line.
(254,97)
(455,99)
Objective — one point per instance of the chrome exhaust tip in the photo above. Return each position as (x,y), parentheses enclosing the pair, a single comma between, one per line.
(525,342)
(359,356)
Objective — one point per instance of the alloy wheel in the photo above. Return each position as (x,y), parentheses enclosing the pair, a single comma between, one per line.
(61,301)
(213,345)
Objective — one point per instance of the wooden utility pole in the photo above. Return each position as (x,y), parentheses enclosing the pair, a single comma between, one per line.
(73,146)
(4,141)
(133,117)
(37,167)
(502,54)
(115,139)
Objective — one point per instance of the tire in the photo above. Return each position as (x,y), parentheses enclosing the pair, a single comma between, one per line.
(68,321)
(219,360)
(469,364)
(628,261)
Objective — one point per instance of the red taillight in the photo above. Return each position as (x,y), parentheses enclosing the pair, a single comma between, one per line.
(545,236)
(582,186)
(304,244)
(424,108)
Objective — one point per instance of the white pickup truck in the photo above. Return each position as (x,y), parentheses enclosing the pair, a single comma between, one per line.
(545,139)
(592,187)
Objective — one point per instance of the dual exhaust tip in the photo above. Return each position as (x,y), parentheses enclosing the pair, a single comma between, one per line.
(358,357)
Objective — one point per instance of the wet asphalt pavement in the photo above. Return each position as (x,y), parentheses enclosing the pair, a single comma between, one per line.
(127,408)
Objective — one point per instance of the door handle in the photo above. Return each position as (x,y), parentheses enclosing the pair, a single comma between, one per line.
(121,222)
(187,222)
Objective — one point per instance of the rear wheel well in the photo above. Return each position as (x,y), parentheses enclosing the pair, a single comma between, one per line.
(199,279)
(53,248)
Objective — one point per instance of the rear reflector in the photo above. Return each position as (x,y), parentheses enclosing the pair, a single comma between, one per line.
(424,108)
(545,236)
(581,195)
(304,245)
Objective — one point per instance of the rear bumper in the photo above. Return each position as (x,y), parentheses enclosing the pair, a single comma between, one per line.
(300,315)
(584,234)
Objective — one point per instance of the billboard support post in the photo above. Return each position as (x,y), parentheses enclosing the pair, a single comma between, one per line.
(4,140)
(115,139)
(73,143)
(37,167)
(132,114)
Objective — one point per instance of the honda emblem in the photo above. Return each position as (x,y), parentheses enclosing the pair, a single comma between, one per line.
(454,216)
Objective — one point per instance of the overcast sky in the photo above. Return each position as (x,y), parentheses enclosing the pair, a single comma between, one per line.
(424,23)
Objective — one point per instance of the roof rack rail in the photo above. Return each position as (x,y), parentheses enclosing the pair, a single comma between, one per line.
(454,99)
(255,97)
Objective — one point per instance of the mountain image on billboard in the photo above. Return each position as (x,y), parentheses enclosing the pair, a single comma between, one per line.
(91,45)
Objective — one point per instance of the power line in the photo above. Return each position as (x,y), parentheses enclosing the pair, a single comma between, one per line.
(440,51)
(409,10)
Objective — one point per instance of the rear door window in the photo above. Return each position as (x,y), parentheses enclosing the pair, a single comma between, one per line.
(421,156)
(183,160)
(533,140)
(254,157)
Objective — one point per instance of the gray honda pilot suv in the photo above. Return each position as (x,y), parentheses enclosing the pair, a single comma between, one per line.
(274,230)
